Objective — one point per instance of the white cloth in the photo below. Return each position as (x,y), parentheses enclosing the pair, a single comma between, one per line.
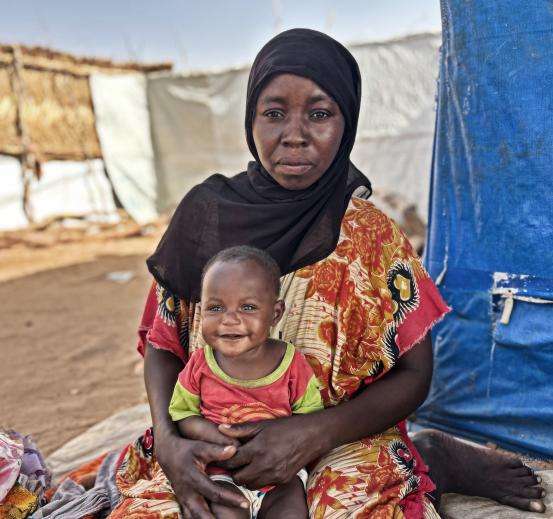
(123,126)
(254,497)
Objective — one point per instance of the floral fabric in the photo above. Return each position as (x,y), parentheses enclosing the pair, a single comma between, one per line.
(352,315)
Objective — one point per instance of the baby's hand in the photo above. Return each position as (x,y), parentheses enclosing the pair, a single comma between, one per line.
(198,428)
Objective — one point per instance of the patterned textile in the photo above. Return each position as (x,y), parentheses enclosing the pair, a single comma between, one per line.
(352,315)
(11,458)
(145,490)
(85,476)
(18,503)
(23,475)
(34,474)
(89,492)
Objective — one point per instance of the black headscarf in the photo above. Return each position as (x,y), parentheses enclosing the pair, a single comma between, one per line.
(296,227)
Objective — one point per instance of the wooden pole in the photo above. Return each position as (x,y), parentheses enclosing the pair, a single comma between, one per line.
(27,159)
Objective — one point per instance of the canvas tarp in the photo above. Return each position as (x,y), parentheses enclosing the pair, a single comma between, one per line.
(123,127)
(11,205)
(198,121)
(66,188)
(197,129)
(491,226)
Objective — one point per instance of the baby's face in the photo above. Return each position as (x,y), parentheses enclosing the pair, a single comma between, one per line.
(238,307)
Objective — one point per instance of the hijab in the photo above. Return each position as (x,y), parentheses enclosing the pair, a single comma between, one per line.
(296,227)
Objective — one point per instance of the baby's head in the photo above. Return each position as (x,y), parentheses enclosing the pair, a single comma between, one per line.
(239,301)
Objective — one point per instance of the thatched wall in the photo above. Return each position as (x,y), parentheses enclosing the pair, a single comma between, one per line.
(45,102)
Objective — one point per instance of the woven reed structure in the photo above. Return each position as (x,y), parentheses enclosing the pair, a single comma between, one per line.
(46,110)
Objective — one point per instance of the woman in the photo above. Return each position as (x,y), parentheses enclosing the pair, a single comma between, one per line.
(359,306)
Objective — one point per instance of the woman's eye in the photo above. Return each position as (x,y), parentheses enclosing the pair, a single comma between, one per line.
(274,114)
(320,114)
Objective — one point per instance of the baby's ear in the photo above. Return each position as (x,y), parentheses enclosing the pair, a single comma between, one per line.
(278,311)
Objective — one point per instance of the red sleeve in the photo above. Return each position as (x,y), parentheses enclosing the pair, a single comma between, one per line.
(410,296)
(416,300)
(300,375)
(160,323)
(148,316)
(417,323)
(189,377)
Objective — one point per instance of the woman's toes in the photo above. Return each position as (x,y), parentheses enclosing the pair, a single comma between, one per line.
(528,481)
(522,471)
(532,492)
(537,506)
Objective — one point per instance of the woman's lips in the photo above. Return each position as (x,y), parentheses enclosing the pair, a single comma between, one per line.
(293,168)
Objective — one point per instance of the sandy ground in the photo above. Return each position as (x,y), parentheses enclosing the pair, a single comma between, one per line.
(68,335)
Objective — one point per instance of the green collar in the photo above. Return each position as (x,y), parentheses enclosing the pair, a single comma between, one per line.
(260,382)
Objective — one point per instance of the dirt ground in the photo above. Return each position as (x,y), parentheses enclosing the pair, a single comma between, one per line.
(68,335)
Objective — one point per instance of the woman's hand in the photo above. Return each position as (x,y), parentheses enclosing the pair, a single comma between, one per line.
(275,450)
(184,462)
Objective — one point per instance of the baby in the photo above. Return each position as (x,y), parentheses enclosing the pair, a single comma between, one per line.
(242,375)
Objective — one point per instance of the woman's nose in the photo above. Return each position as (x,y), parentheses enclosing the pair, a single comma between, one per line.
(294,133)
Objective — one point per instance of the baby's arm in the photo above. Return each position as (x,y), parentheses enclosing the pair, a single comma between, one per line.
(306,396)
(198,428)
(185,407)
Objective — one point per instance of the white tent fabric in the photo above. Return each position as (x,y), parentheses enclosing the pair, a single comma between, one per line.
(396,126)
(197,129)
(65,188)
(112,433)
(197,121)
(123,126)
(73,188)
(11,208)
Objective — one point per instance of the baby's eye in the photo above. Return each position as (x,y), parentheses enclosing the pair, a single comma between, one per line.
(249,308)
(320,114)
(274,114)
(214,308)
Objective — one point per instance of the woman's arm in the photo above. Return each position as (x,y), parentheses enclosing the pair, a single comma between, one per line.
(385,402)
(161,369)
(183,461)
(297,440)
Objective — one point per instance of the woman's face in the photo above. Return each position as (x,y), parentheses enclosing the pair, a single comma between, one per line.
(297,130)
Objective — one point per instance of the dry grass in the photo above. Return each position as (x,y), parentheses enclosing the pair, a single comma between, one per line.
(54,106)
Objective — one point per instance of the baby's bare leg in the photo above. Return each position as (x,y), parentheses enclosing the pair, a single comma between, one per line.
(229,512)
(286,500)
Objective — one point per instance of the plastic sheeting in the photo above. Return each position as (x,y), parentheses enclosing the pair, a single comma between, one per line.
(110,434)
(491,225)
(198,121)
(65,188)
(396,125)
(123,127)
(197,126)
(11,196)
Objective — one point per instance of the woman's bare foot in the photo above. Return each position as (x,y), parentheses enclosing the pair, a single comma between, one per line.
(456,466)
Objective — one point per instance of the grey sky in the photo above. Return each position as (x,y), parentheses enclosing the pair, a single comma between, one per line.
(202,34)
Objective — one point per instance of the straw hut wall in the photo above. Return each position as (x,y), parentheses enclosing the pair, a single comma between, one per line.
(46,110)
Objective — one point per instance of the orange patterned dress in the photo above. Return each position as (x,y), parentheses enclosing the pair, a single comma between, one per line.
(352,315)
